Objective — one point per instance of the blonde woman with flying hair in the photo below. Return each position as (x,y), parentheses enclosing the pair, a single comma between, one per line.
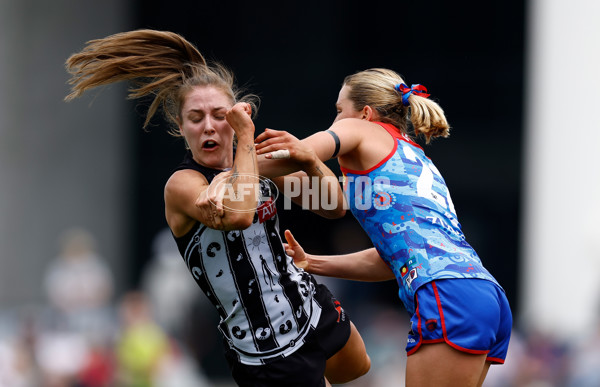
(280,327)
(461,321)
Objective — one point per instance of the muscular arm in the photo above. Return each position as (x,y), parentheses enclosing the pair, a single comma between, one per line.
(365,265)
(350,133)
(240,199)
(316,188)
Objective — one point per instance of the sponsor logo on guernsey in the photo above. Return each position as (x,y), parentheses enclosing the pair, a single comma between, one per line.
(266,210)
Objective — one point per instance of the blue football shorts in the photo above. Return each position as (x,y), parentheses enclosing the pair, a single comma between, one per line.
(470,315)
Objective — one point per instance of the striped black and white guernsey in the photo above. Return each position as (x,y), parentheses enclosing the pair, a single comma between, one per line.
(265,302)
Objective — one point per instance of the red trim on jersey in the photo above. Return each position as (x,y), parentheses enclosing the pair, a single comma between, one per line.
(419,328)
(394,132)
(494,360)
(397,135)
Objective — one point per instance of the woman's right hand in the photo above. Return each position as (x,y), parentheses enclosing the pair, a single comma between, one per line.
(210,202)
(272,140)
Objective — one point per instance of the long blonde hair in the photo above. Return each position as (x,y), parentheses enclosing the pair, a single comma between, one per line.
(158,63)
(376,88)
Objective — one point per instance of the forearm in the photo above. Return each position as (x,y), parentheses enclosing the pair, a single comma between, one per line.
(241,186)
(275,168)
(325,183)
(365,265)
(280,167)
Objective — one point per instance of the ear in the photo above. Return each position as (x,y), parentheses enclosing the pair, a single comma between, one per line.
(179,124)
(367,113)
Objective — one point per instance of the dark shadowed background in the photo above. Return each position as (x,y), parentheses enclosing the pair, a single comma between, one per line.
(294,55)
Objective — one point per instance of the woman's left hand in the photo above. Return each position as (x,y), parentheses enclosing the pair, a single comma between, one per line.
(294,250)
(240,119)
(271,141)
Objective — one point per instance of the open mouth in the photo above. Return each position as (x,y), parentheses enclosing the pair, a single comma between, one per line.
(209,144)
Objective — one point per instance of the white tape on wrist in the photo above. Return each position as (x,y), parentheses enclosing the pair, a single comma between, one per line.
(280,154)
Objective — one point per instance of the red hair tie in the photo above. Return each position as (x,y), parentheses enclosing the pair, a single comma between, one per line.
(406,91)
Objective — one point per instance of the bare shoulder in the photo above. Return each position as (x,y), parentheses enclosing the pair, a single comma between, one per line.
(182,180)
(350,125)
(356,130)
(181,190)
(367,143)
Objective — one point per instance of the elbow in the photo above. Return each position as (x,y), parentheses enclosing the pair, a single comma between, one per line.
(334,214)
(340,213)
(338,210)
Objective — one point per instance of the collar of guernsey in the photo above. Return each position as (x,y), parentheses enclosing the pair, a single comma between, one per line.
(404,206)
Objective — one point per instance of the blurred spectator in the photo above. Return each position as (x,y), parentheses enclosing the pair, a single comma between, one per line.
(60,356)
(185,314)
(79,286)
(168,285)
(18,367)
(142,344)
(544,362)
(178,369)
(97,370)
(584,361)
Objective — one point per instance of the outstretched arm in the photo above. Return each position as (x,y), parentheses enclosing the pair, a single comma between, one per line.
(365,265)
(315,187)
(343,138)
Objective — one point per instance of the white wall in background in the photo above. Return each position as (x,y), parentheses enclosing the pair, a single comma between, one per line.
(560,288)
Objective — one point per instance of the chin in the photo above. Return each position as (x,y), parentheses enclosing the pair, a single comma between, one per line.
(216,162)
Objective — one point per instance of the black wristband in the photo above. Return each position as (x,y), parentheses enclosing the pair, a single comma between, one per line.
(337,142)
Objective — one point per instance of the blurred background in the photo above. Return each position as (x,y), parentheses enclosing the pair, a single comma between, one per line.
(92,289)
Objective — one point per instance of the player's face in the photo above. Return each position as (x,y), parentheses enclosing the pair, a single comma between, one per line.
(344,106)
(208,134)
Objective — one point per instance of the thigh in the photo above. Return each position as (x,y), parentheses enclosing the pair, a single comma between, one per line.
(440,365)
(350,362)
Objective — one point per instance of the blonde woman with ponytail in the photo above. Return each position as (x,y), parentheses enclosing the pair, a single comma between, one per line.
(280,327)
(460,318)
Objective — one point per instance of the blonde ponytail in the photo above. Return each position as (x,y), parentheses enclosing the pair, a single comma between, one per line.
(427,118)
(382,90)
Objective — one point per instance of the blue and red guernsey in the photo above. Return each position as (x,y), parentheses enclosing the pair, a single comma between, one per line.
(404,206)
